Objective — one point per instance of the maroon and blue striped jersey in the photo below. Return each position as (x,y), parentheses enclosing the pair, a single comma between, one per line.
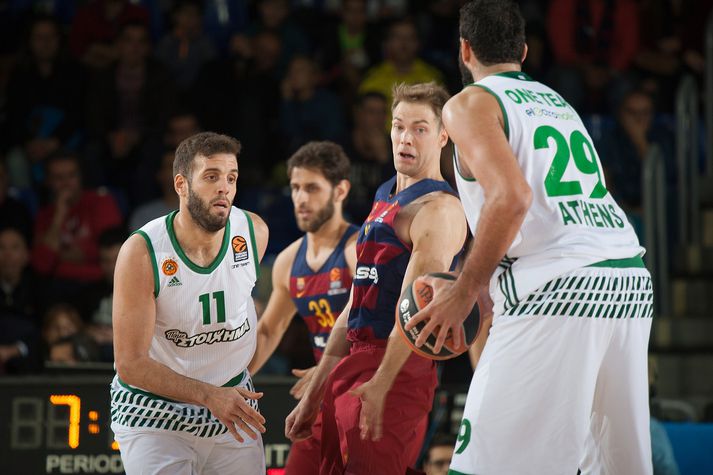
(382,259)
(322,295)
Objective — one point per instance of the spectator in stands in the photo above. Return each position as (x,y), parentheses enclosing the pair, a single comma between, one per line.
(624,150)
(240,96)
(63,336)
(67,229)
(401,63)
(160,206)
(308,112)
(439,455)
(44,97)
(369,150)
(97,25)
(672,39)
(185,49)
(223,19)
(348,49)
(274,16)
(127,104)
(95,302)
(593,42)
(18,308)
(12,211)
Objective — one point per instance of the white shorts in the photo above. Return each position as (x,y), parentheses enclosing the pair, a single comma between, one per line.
(562,382)
(159,452)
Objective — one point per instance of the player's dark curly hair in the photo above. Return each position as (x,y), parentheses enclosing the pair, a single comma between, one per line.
(326,157)
(206,144)
(495,30)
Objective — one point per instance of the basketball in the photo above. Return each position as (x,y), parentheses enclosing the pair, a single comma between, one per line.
(414,298)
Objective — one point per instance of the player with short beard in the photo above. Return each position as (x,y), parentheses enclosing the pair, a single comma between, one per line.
(184,325)
(313,275)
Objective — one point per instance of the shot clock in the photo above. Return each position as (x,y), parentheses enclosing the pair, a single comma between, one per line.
(57,425)
(62,424)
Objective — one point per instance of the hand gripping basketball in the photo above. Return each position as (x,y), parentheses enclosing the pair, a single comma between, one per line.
(413,300)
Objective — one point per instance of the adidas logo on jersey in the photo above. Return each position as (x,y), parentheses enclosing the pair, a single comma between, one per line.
(174,282)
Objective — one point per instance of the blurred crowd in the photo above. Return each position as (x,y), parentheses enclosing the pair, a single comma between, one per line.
(95,96)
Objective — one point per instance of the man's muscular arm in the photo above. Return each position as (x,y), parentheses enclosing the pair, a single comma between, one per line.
(437,232)
(475,124)
(134,318)
(279,310)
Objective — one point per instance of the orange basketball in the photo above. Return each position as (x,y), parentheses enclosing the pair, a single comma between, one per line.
(414,298)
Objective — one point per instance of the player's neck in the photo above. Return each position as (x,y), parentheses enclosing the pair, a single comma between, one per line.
(403,181)
(194,240)
(480,71)
(328,235)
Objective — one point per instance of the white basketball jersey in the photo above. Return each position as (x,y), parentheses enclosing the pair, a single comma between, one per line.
(205,316)
(573,220)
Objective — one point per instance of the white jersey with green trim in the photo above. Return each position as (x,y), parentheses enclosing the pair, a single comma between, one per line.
(573,220)
(205,316)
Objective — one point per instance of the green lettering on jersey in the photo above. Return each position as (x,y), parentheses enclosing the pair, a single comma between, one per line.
(580,150)
(463,436)
(566,217)
(619,222)
(574,205)
(513,97)
(595,216)
(219,298)
(605,216)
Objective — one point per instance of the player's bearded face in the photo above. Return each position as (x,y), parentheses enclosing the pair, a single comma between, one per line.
(315,220)
(201,212)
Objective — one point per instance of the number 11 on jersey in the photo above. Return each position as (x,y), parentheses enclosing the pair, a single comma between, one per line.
(219,298)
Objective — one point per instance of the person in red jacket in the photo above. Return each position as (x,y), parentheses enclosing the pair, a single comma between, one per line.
(67,229)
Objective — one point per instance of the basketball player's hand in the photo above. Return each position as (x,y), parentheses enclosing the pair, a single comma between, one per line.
(230,407)
(372,396)
(445,313)
(298,425)
(305,375)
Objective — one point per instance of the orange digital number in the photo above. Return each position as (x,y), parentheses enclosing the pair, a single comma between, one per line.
(75,404)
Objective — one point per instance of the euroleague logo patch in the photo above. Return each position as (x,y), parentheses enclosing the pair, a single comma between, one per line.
(169,267)
(240,249)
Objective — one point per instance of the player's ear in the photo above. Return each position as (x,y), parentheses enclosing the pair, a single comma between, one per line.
(341,190)
(524,53)
(180,184)
(442,136)
(465,51)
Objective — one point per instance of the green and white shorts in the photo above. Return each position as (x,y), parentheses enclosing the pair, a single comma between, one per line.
(158,435)
(562,383)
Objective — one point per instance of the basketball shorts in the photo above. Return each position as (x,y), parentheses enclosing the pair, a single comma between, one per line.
(562,383)
(160,436)
(405,417)
(305,455)
(146,452)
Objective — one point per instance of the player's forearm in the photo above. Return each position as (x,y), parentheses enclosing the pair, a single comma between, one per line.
(394,358)
(336,349)
(500,221)
(148,374)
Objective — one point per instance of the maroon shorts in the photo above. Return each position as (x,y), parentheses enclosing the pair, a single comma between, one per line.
(305,455)
(405,416)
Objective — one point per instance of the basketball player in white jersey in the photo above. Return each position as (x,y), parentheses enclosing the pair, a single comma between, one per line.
(562,381)
(184,326)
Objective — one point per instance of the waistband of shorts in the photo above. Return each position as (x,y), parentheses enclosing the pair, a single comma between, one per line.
(363,345)
(629,262)
(235,381)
